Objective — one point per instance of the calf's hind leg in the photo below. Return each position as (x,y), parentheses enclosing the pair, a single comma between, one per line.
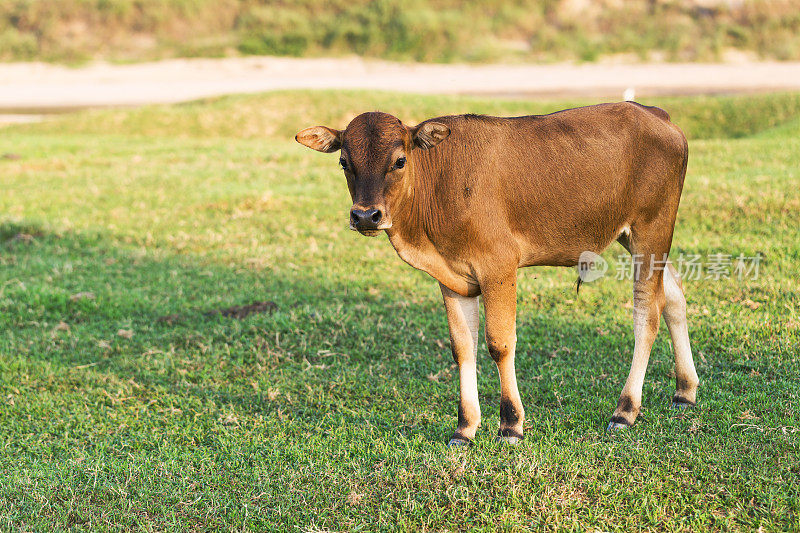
(648,302)
(686,380)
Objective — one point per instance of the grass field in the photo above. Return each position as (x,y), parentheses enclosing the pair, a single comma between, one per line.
(127,403)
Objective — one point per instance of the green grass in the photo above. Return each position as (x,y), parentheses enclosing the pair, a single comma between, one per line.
(436,30)
(331,413)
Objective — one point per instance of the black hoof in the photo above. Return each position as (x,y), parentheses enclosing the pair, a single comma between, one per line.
(617,423)
(508,436)
(677,403)
(457,442)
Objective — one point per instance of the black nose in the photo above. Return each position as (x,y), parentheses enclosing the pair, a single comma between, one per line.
(365,219)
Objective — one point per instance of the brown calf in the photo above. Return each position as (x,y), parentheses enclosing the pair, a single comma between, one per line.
(470,199)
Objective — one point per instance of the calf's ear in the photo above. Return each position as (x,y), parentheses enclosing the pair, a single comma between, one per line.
(320,138)
(429,134)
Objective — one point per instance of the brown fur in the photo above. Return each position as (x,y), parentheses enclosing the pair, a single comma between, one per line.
(480,197)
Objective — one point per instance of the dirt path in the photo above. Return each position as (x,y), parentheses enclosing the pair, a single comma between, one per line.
(38,87)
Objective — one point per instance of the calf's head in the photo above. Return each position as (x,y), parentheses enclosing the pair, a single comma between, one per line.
(376,157)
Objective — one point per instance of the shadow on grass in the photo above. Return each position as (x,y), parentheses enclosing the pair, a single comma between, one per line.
(320,353)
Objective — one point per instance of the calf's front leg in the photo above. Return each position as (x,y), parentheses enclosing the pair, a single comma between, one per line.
(500,303)
(463,319)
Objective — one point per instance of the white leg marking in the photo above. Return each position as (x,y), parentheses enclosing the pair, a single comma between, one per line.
(463,317)
(675,317)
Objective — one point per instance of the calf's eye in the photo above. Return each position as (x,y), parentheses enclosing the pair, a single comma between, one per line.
(400,163)
(343,162)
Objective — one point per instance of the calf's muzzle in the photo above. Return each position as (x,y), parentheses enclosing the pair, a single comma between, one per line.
(369,219)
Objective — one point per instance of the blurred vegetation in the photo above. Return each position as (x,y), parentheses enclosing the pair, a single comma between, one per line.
(437,30)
